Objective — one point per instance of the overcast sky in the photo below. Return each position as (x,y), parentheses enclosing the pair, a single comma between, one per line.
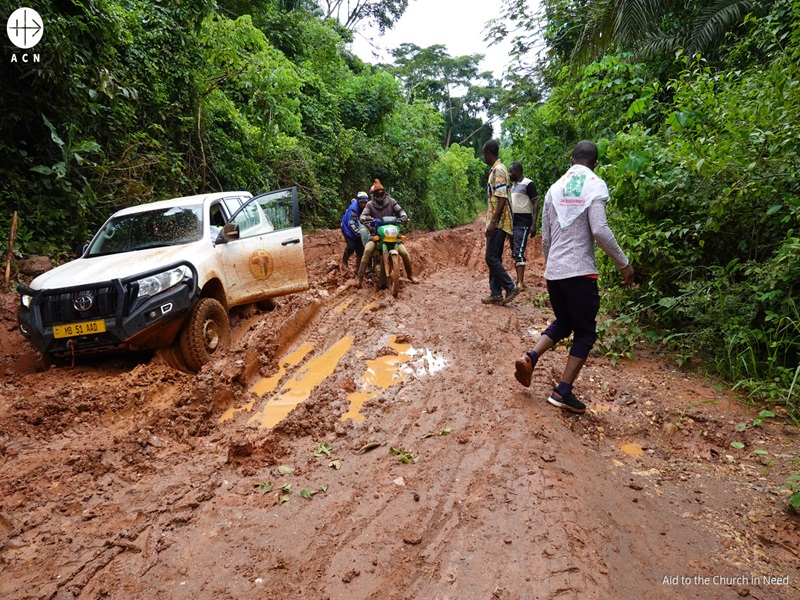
(459,25)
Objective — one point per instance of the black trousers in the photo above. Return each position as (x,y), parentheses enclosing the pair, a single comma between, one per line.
(354,245)
(575,302)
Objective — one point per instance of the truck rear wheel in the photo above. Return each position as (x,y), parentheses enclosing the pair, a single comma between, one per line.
(206,335)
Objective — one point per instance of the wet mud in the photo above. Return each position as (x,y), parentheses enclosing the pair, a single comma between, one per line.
(355,445)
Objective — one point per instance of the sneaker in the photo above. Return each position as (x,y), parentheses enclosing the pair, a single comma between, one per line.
(511,294)
(492,300)
(524,370)
(568,402)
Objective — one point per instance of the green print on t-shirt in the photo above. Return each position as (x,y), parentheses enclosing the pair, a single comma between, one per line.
(575,186)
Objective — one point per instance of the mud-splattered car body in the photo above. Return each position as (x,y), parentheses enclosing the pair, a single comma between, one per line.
(166,274)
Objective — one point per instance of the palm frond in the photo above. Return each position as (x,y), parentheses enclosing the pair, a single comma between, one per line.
(715,21)
(622,22)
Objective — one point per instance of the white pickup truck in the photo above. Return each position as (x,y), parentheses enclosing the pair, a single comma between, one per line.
(165,274)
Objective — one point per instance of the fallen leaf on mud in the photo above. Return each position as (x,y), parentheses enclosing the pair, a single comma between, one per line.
(324,487)
(369,446)
(264,488)
(446,431)
(307,494)
(635,486)
(284,470)
(323,448)
(617,463)
(336,463)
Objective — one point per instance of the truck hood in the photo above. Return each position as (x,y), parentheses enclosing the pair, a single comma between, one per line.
(99,269)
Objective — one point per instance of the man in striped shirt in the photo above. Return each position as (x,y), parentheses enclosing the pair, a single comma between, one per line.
(498,226)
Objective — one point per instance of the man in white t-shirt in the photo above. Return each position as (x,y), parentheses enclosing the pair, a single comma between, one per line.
(525,206)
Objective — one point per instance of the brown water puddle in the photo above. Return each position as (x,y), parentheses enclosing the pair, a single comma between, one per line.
(631,449)
(299,387)
(382,373)
(267,385)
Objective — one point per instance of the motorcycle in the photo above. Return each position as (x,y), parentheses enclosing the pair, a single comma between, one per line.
(386,262)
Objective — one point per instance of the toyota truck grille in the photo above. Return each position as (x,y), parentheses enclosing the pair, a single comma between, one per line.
(81,305)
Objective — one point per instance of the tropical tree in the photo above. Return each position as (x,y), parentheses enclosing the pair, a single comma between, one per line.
(658,26)
(350,13)
(454,85)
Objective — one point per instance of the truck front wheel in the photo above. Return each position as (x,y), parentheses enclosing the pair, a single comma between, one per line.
(206,335)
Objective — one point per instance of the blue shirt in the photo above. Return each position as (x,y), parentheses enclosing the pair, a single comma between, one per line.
(350,224)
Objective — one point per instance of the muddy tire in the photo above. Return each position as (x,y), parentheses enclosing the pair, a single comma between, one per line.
(267,305)
(378,273)
(173,355)
(206,335)
(394,275)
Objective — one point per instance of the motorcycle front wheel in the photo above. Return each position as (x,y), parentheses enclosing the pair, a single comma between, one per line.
(378,273)
(394,275)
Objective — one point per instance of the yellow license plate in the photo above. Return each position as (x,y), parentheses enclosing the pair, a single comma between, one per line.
(84,328)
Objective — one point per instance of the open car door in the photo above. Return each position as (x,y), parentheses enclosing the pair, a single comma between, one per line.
(263,249)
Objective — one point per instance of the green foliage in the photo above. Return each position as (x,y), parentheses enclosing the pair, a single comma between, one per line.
(456,187)
(705,197)
(404,456)
(138,100)
(793,484)
(410,148)
(452,84)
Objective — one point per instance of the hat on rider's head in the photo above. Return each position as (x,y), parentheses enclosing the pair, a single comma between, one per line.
(362,196)
(377,185)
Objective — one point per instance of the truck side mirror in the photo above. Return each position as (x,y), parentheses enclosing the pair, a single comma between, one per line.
(230,231)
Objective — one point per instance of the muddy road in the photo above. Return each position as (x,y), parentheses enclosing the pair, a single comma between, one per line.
(354,446)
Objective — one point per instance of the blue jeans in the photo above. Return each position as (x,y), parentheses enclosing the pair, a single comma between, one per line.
(499,279)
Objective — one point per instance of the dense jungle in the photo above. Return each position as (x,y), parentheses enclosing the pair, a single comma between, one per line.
(123,478)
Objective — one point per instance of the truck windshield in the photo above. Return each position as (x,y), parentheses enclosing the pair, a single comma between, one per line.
(152,229)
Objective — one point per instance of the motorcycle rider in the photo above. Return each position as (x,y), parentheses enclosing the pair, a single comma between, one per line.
(353,230)
(379,206)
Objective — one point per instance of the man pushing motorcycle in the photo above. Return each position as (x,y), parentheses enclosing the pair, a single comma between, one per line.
(379,206)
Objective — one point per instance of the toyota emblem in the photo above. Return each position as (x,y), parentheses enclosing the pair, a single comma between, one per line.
(83,303)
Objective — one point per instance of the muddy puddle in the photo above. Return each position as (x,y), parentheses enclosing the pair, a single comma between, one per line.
(276,398)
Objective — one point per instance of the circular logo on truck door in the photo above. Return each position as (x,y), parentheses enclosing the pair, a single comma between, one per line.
(261,264)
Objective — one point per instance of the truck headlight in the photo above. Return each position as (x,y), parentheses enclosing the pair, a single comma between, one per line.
(155,284)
